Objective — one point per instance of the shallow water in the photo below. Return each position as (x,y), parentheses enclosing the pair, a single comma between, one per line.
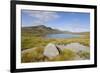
(62,35)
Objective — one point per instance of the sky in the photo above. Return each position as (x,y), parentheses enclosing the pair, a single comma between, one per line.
(66,21)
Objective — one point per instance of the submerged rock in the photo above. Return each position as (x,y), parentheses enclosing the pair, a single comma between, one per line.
(51,51)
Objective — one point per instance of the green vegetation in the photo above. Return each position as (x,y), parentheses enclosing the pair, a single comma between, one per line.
(35,37)
(65,55)
(37,56)
(30,42)
(34,55)
(38,41)
(85,55)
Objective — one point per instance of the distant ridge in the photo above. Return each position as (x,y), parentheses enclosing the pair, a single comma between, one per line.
(42,30)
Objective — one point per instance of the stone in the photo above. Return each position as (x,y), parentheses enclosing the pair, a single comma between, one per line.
(77,47)
(51,51)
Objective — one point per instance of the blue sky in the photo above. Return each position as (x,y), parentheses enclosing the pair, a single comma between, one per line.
(67,21)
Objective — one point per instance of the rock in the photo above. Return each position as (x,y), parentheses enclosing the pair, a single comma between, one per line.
(77,47)
(28,50)
(51,51)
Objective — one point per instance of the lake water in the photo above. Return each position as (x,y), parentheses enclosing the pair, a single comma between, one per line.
(62,35)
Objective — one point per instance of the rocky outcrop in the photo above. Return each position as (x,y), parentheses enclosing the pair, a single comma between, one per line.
(51,51)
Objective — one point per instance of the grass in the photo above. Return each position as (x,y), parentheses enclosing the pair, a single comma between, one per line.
(85,54)
(65,55)
(37,56)
(34,41)
(40,42)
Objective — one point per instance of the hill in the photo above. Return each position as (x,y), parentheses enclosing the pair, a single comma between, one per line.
(39,30)
(42,30)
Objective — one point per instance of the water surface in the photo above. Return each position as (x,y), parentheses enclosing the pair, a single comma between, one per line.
(62,35)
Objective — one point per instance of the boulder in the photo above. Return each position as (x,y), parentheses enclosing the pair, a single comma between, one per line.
(77,47)
(51,51)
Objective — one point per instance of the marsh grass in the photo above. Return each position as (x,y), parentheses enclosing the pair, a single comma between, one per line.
(40,42)
(37,56)
(65,55)
(84,54)
(32,41)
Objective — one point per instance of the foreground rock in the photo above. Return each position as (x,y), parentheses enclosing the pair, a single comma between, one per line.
(76,47)
(83,52)
(28,50)
(51,51)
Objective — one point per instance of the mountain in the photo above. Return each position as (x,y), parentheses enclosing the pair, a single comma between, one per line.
(38,30)
(42,30)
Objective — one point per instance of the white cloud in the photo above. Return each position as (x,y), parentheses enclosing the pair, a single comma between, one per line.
(41,17)
(75,28)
